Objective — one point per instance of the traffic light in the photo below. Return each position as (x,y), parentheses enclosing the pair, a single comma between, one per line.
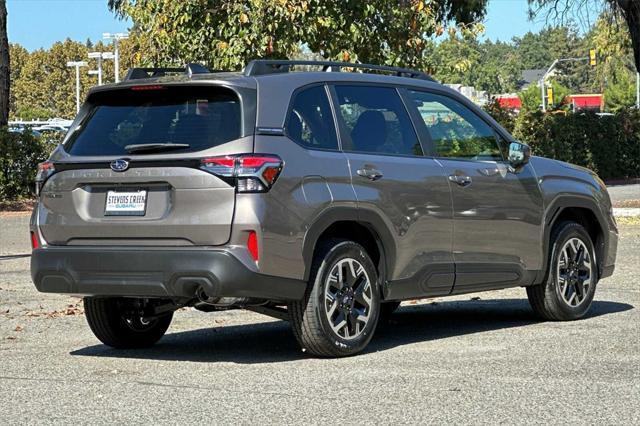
(592,57)
(550,95)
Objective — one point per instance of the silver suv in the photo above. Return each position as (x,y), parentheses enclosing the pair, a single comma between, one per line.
(324,196)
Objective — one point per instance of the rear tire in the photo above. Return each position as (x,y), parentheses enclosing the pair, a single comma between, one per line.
(340,310)
(117,323)
(573,274)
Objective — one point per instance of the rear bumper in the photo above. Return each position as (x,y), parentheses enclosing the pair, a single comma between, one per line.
(161,273)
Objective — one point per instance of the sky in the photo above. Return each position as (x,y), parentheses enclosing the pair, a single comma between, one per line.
(40,23)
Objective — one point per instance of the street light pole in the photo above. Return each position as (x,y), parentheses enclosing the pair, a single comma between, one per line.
(77,65)
(542,80)
(99,56)
(638,90)
(116,37)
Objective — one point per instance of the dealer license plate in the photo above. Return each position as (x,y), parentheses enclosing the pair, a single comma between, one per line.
(121,203)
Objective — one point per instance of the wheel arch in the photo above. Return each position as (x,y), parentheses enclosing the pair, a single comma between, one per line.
(366,228)
(581,210)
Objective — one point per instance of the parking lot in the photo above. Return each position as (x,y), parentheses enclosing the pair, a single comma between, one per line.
(481,358)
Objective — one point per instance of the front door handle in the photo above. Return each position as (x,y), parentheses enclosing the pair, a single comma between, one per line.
(460,180)
(372,174)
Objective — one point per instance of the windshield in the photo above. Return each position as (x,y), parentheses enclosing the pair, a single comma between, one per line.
(191,118)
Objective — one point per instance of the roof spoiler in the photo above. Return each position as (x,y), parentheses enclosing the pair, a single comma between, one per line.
(189,70)
(270,66)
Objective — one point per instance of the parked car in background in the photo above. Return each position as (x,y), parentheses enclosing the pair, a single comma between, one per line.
(34,132)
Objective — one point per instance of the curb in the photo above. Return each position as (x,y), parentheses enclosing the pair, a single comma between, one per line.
(621,182)
(626,212)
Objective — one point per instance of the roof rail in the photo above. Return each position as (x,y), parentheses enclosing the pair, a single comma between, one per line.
(189,69)
(275,66)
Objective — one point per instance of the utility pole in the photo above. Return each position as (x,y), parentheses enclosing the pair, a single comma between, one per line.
(99,56)
(77,65)
(116,37)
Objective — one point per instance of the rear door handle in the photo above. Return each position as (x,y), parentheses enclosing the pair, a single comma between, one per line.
(460,180)
(372,174)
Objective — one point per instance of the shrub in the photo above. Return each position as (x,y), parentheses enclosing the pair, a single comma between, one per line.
(20,154)
(609,145)
(504,116)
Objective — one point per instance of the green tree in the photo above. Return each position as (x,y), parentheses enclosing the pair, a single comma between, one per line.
(620,91)
(561,10)
(539,50)
(500,68)
(226,34)
(455,58)
(47,85)
(533,50)
(44,87)
(19,57)
(461,59)
(612,42)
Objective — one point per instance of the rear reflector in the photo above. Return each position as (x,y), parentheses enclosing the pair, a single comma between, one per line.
(34,241)
(252,245)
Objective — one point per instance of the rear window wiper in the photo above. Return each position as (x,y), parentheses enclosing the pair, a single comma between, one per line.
(148,147)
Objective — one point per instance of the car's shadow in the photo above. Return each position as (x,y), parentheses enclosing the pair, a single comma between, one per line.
(274,342)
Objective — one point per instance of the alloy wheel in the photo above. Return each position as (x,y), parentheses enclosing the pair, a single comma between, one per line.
(574,272)
(348,295)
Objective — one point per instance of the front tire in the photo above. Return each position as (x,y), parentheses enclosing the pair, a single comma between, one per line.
(340,310)
(572,278)
(117,322)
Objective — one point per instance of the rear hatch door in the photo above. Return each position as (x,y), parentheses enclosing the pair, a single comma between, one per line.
(129,173)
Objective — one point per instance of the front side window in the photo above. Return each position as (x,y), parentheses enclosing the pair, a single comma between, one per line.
(310,122)
(376,121)
(191,118)
(456,131)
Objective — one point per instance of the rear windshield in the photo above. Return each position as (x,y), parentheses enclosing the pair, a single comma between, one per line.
(200,117)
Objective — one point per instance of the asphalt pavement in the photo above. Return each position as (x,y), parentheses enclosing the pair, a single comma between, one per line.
(480,359)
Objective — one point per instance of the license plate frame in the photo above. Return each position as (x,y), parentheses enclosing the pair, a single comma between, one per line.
(130,206)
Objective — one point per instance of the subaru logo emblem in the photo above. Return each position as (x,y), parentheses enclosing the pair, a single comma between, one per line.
(119,165)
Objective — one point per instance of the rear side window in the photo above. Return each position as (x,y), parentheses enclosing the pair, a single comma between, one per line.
(456,131)
(200,117)
(376,121)
(310,122)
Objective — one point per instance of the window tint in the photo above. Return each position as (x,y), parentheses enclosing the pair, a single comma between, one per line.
(456,131)
(197,116)
(310,121)
(376,121)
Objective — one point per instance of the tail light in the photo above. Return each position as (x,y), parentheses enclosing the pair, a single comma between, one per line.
(45,170)
(35,243)
(249,173)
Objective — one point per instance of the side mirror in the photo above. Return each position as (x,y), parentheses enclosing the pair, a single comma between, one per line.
(519,154)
